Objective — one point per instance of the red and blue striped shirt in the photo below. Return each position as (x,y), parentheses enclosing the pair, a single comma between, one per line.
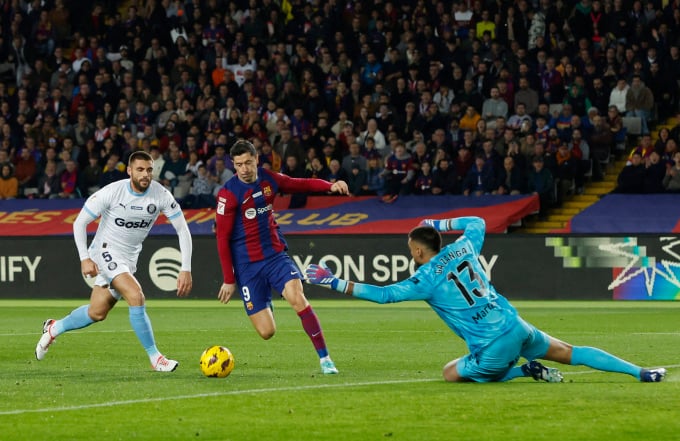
(245,226)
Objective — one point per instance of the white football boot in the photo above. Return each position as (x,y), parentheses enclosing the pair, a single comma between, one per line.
(45,340)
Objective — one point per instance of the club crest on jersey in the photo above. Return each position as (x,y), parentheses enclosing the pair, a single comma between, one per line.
(151,208)
(112,266)
(267,191)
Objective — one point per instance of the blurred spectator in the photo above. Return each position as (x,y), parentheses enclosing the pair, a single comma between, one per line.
(445,179)
(675,131)
(49,184)
(269,157)
(356,180)
(289,146)
(112,171)
(399,174)
(510,179)
(68,180)
(374,133)
(631,179)
(317,169)
(421,154)
(644,148)
(655,171)
(335,171)
(493,107)
(354,158)
(480,179)
(90,177)
(26,169)
(671,181)
(173,173)
(519,118)
(202,189)
(640,102)
(600,143)
(9,185)
(580,151)
(424,179)
(566,168)
(221,175)
(618,95)
(469,120)
(294,169)
(541,183)
(375,181)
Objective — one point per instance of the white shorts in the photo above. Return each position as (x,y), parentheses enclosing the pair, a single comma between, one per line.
(110,265)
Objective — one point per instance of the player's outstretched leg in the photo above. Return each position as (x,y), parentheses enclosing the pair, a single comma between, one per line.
(77,319)
(141,324)
(604,361)
(311,325)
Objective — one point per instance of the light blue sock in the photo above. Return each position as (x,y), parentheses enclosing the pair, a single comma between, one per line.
(78,318)
(142,326)
(513,373)
(604,361)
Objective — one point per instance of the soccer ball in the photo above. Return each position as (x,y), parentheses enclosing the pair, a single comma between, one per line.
(217,361)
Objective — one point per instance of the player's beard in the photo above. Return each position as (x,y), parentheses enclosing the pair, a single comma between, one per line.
(141,184)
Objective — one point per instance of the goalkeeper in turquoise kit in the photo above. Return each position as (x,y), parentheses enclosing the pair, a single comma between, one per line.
(454,284)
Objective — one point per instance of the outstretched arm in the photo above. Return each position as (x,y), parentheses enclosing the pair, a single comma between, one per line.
(473,227)
(397,292)
(306,185)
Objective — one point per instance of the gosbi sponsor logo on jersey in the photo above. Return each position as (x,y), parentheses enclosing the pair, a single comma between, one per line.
(132,224)
(252,212)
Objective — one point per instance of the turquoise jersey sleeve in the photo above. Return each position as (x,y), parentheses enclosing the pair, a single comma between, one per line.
(409,289)
(473,229)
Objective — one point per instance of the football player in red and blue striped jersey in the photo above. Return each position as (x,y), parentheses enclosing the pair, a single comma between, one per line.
(253,251)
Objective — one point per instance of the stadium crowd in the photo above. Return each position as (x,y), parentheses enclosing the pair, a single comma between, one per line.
(394,97)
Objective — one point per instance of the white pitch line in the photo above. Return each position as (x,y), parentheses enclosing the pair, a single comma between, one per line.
(248,391)
(215,394)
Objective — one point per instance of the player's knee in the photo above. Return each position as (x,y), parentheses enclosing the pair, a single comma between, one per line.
(267,331)
(450,372)
(266,334)
(559,351)
(296,299)
(97,315)
(135,298)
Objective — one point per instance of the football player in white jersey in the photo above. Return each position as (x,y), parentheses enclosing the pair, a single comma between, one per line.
(128,209)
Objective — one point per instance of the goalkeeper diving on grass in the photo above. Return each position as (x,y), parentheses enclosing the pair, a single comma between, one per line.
(454,284)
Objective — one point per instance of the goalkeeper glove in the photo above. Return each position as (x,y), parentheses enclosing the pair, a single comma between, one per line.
(322,275)
(428,223)
(439,225)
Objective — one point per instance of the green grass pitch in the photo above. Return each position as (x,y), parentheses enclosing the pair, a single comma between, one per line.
(96,383)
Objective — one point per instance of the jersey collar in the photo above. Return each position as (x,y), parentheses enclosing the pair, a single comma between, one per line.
(134,193)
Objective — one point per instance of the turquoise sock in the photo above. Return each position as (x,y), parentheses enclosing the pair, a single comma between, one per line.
(142,326)
(513,373)
(604,361)
(78,318)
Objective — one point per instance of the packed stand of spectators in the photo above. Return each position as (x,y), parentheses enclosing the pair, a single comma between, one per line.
(395,97)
